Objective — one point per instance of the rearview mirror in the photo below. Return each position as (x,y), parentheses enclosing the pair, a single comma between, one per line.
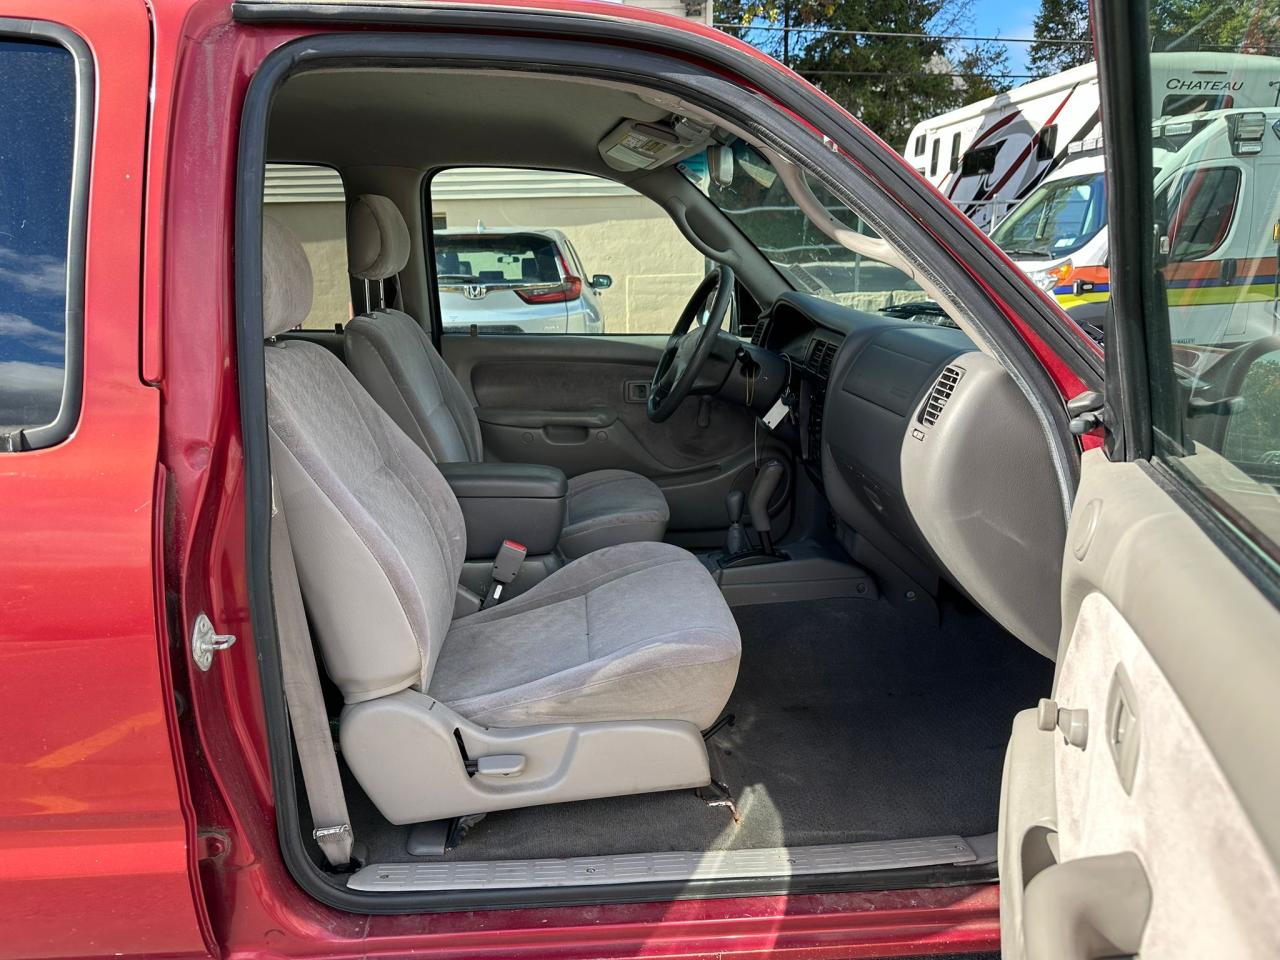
(601,281)
(720,165)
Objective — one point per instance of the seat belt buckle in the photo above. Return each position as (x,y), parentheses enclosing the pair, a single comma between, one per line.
(505,567)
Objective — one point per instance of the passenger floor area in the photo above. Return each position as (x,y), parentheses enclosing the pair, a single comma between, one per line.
(853,722)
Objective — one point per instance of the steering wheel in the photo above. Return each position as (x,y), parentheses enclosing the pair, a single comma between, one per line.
(690,344)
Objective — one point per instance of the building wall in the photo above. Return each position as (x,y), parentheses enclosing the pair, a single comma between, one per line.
(321,226)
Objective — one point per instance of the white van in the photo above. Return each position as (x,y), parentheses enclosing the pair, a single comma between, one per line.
(988,156)
(1219,171)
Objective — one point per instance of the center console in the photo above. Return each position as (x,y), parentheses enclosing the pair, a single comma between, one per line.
(756,570)
(523,502)
(509,501)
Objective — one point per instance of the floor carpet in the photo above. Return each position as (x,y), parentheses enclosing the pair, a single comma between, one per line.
(852,721)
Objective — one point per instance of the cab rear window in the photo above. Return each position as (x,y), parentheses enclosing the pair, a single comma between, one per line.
(37,115)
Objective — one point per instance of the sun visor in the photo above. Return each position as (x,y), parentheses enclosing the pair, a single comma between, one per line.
(633,145)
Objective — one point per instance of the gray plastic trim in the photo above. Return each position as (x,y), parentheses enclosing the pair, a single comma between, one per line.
(664,867)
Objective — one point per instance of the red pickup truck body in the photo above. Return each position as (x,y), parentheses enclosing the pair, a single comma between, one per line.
(131,823)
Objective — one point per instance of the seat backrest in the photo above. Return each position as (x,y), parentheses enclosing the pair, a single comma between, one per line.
(377,533)
(390,353)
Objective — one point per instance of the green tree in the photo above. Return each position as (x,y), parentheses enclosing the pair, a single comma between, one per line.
(1250,26)
(1059,27)
(891,63)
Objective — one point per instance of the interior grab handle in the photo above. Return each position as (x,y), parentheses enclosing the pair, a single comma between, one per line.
(1087,909)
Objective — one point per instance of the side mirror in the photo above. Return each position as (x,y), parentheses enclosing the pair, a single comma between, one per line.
(601,281)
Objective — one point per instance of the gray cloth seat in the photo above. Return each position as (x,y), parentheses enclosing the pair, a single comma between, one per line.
(394,359)
(634,632)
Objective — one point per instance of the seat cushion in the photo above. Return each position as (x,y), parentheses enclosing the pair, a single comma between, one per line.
(638,631)
(608,507)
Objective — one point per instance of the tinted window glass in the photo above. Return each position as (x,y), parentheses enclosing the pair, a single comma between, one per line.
(37,117)
(1214,328)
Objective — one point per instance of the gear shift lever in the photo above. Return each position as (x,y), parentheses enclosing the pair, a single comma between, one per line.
(736,542)
(762,491)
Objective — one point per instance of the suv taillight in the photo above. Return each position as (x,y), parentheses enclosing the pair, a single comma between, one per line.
(570,288)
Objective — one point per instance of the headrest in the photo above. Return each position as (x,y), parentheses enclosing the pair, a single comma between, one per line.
(377,238)
(286,279)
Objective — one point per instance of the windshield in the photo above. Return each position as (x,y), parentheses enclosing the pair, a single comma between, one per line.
(751,194)
(1057,219)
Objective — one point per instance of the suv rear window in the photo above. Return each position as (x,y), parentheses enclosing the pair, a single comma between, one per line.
(496,258)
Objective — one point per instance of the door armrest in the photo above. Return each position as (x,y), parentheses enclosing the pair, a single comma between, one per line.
(537,419)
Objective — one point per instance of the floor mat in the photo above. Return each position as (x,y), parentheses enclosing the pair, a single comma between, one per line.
(852,722)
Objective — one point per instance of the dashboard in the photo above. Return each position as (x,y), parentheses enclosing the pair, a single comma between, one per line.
(932,460)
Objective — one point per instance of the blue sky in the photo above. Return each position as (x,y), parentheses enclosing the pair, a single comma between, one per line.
(1008,18)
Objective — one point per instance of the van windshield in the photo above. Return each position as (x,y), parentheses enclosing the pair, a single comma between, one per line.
(1059,218)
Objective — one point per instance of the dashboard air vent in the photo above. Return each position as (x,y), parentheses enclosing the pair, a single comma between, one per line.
(820,357)
(939,395)
(757,332)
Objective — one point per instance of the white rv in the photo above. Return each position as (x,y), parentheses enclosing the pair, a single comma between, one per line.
(989,155)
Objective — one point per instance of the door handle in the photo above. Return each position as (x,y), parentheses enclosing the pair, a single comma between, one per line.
(1087,909)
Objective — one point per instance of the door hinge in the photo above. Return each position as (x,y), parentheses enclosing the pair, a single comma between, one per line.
(205,642)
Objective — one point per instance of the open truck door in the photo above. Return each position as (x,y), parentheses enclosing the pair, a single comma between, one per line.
(1139,813)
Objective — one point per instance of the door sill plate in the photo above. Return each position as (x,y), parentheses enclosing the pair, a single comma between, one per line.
(663,867)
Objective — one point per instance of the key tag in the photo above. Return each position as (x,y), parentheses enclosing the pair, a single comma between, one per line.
(777,412)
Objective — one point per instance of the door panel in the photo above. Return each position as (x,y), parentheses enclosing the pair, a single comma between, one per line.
(1177,660)
(570,402)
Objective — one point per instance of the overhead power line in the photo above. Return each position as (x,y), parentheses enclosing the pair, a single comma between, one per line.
(832,31)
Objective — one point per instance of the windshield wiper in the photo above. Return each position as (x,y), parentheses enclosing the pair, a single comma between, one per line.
(1014,252)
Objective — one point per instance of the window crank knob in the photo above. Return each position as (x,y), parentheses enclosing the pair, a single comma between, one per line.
(1074,724)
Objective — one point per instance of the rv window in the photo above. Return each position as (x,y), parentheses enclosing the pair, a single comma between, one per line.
(1200,211)
(920,144)
(980,162)
(933,159)
(955,152)
(1180,104)
(1047,145)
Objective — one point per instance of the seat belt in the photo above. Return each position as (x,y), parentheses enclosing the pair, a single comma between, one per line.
(307,714)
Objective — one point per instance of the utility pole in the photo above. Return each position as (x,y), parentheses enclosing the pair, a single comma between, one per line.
(786,33)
